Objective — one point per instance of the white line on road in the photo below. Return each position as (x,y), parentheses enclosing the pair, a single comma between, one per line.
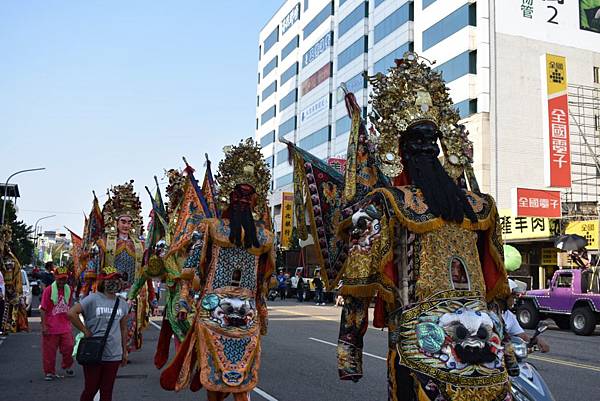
(335,345)
(258,391)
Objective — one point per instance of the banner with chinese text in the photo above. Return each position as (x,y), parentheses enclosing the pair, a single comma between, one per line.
(519,228)
(287,213)
(528,202)
(555,107)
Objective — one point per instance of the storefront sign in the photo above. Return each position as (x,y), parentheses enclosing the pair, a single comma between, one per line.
(317,49)
(549,257)
(287,212)
(555,107)
(290,19)
(528,202)
(520,228)
(316,79)
(315,108)
(587,229)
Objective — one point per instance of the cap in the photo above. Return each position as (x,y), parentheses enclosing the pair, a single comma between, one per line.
(109,272)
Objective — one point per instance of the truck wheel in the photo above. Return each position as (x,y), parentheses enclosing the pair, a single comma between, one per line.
(563,322)
(528,315)
(583,321)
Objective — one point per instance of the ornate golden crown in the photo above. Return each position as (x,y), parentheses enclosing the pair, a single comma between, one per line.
(409,94)
(244,164)
(123,201)
(61,271)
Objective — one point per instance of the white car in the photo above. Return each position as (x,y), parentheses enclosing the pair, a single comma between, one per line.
(26,291)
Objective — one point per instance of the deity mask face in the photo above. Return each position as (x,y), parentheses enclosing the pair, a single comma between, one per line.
(124,225)
(420,139)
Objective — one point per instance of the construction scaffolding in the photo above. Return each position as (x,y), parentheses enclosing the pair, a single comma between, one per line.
(584,113)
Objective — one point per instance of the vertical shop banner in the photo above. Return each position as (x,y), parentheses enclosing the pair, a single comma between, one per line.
(528,202)
(555,107)
(287,213)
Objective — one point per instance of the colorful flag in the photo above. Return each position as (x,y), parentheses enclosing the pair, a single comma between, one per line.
(192,210)
(209,190)
(95,224)
(158,226)
(76,242)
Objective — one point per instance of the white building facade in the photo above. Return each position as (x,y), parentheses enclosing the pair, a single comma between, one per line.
(490,63)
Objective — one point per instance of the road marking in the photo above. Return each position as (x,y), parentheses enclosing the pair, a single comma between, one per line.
(335,345)
(566,363)
(318,317)
(258,391)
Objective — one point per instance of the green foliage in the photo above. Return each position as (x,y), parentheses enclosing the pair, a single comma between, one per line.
(20,244)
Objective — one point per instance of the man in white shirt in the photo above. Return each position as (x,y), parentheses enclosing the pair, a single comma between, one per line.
(512,324)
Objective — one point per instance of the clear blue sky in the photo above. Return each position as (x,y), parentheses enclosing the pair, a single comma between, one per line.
(100,92)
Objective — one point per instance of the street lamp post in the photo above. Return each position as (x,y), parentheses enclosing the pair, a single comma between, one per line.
(36,235)
(6,188)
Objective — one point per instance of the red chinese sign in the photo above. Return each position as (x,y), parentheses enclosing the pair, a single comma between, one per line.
(536,202)
(337,163)
(557,159)
(316,79)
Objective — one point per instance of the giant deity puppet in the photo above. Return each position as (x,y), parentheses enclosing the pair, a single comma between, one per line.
(13,315)
(122,248)
(231,259)
(416,235)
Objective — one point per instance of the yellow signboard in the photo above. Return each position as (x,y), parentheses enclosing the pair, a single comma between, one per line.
(287,213)
(518,228)
(556,74)
(587,229)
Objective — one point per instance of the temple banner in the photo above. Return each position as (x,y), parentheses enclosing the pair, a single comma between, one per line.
(287,213)
(555,107)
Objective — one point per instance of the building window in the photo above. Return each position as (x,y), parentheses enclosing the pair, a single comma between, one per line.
(282,156)
(288,100)
(341,2)
(378,3)
(351,52)
(258,77)
(394,21)
(287,126)
(267,115)
(270,161)
(290,47)
(427,3)
(597,75)
(464,16)
(271,40)
(271,65)
(257,100)
(267,139)
(284,179)
(259,52)
(289,73)
(358,14)
(386,62)
(463,64)
(316,138)
(305,5)
(317,49)
(269,90)
(342,125)
(354,84)
(466,107)
(318,20)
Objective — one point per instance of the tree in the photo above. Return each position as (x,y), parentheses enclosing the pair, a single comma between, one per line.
(20,244)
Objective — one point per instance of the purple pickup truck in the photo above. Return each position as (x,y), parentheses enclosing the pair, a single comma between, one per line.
(572,301)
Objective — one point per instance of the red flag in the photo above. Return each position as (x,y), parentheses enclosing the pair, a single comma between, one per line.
(77,243)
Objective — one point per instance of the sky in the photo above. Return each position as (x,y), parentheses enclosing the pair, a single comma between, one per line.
(101,92)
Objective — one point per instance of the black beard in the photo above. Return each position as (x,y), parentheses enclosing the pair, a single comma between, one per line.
(242,218)
(444,198)
(475,356)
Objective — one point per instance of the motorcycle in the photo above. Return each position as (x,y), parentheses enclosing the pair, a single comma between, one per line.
(529,385)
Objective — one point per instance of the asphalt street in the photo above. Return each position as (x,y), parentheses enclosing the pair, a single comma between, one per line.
(298,364)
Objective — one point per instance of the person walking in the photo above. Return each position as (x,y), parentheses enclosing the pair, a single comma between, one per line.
(56,329)
(318,283)
(281,287)
(300,288)
(96,309)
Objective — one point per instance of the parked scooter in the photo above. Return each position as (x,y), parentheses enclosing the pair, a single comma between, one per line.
(529,385)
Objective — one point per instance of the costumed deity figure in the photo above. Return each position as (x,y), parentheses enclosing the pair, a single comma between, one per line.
(14,313)
(423,241)
(122,248)
(233,258)
(90,259)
